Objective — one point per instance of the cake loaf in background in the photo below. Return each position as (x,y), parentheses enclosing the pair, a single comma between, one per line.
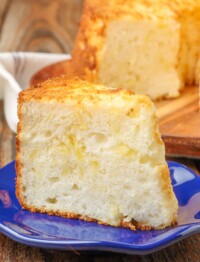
(91,152)
(151,47)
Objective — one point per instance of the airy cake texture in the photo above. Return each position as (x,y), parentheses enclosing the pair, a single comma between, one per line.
(91,152)
(149,46)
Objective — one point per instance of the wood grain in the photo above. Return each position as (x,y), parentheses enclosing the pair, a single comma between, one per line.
(51,26)
(42,26)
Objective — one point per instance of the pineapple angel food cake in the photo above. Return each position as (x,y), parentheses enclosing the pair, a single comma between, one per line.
(148,46)
(95,153)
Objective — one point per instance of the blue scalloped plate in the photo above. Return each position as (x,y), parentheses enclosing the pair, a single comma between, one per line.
(41,230)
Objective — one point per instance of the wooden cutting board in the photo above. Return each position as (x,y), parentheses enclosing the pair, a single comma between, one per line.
(179,118)
(179,121)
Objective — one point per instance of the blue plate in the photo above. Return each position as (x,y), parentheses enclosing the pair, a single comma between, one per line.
(41,230)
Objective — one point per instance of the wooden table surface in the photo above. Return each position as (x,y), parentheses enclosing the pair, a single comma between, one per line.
(51,26)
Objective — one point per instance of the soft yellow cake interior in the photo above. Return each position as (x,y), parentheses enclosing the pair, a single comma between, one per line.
(141,56)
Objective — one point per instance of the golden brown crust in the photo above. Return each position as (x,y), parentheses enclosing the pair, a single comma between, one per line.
(18,161)
(88,41)
(166,187)
(131,225)
(64,88)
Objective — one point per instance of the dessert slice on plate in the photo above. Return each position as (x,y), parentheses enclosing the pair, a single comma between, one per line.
(92,152)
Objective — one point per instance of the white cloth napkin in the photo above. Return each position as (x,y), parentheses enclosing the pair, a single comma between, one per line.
(16,70)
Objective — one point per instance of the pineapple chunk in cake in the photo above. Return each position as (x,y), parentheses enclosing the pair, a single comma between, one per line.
(95,153)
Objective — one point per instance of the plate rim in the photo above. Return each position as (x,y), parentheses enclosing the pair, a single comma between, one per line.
(183,231)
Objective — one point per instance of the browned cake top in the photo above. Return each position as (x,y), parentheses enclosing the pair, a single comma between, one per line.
(143,8)
(74,91)
(62,88)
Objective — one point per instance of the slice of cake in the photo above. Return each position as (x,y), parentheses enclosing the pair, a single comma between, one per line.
(151,47)
(91,152)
